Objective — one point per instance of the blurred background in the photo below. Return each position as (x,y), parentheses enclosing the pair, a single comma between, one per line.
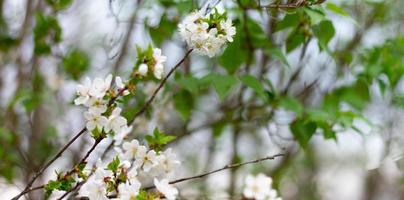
(331,96)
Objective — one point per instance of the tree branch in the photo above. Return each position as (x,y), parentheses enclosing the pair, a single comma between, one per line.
(229,166)
(298,4)
(28,188)
(127,37)
(147,104)
(143,109)
(40,172)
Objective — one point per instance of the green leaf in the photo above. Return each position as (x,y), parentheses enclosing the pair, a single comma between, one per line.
(357,95)
(184,103)
(316,16)
(7,42)
(46,32)
(217,129)
(223,84)
(163,31)
(290,103)
(114,164)
(253,83)
(346,119)
(75,63)
(258,37)
(398,100)
(278,54)
(59,4)
(334,8)
(288,21)
(189,83)
(302,131)
(51,186)
(324,32)
(158,139)
(328,133)
(294,40)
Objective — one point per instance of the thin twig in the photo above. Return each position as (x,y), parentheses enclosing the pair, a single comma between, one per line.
(229,166)
(78,185)
(146,105)
(126,40)
(293,5)
(40,172)
(28,188)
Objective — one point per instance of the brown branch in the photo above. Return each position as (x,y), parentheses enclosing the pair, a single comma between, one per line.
(229,166)
(40,172)
(146,105)
(28,188)
(126,39)
(298,4)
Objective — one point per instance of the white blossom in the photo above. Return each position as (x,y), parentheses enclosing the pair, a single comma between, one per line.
(115,121)
(95,120)
(229,29)
(119,83)
(121,86)
(132,175)
(128,191)
(94,190)
(167,161)
(97,105)
(83,92)
(146,159)
(169,191)
(130,149)
(100,173)
(260,188)
(158,59)
(206,39)
(119,136)
(143,69)
(100,86)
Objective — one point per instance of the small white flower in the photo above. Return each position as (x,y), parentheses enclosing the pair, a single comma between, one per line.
(132,174)
(130,149)
(128,191)
(96,105)
(95,120)
(168,161)
(146,159)
(158,71)
(118,137)
(94,190)
(259,187)
(121,86)
(206,39)
(143,69)
(169,191)
(100,173)
(159,59)
(228,28)
(83,92)
(100,86)
(119,83)
(125,164)
(116,122)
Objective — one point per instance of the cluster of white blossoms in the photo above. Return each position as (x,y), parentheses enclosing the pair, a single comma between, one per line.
(95,95)
(259,187)
(206,34)
(151,60)
(135,166)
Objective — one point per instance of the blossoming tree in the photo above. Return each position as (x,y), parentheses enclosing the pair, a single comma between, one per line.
(240,69)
